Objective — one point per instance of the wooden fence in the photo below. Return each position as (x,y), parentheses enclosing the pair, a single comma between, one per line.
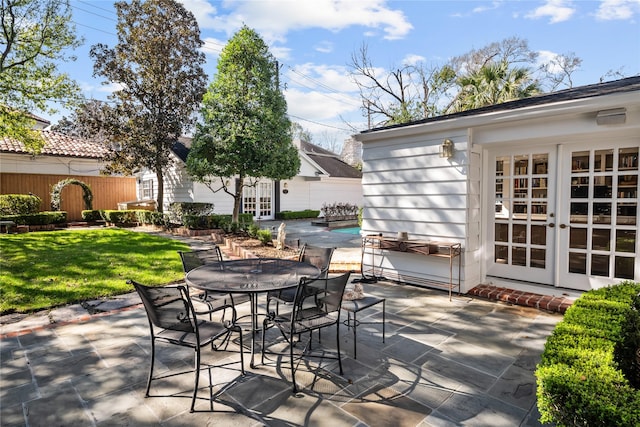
(107,191)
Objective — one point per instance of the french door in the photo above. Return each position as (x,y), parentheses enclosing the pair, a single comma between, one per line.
(522,224)
(599,222)
(565,215)
(258,200)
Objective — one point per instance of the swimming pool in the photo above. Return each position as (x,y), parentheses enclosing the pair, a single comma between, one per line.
(348,230)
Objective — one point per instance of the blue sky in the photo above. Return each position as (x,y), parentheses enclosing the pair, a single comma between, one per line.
(314,41)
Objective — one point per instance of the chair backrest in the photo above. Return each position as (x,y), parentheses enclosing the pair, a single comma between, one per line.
(315,255)
(193,259)
(167,307)
(329,293)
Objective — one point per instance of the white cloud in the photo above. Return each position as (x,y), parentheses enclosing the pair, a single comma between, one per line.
(546,57)
(413,59)
(316,105)
(332,78)
(617,9)
(324,47)
(274,19)
(556,10)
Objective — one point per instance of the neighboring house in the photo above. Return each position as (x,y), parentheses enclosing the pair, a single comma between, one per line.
(62,157)
(540,191)
(323,178)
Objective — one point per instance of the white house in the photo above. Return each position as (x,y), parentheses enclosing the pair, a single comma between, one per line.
(323,178)
(541,192)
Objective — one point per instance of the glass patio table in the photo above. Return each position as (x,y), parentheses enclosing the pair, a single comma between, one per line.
(251,276)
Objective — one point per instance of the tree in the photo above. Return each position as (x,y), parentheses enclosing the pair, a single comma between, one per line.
(158,65)
(298,132)
(34,36)
(415,91)
(493,84)
(245,132)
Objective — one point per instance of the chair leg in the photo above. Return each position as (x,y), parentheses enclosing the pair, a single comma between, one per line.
(153,357)
(239,330)
(293,369)
(197,380)
(338,346)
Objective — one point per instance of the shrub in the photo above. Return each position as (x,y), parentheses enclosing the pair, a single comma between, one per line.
(339,210)
(41,218)
(579,380)
(19,204)
(179,210)
(265,237)
(151,217)
(253,230)
(120,217)
(309,213)
(92,215)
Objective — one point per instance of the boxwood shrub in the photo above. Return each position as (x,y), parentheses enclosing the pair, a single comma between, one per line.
(580,380)
(19,204)
(309,213)
(41,218)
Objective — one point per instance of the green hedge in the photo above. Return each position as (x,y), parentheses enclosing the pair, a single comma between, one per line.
(19,204)
(579,379)
(297,214)
(92,215)
(41,218)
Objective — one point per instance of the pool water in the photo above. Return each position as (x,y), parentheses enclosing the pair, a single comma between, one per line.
(348,230)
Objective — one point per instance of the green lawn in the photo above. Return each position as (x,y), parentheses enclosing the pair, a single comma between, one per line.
(46,269)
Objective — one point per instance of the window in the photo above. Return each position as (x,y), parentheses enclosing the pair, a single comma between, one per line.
(146,189)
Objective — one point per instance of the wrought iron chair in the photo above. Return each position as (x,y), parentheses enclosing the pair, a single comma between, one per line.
(172,319)
(307,317)
(213,300)
(314,255)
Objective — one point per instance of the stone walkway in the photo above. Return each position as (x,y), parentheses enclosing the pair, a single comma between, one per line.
(466,362)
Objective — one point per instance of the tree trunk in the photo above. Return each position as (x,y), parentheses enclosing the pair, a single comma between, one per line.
(237,200)
(159,200)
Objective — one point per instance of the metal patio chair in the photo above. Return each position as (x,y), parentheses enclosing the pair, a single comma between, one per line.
(314,255)
(213,300)
(172,319)
(306,316)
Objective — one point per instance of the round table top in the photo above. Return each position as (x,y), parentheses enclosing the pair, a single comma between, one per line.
(250,275)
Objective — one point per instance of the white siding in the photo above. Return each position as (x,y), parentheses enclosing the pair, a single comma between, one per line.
(49,165)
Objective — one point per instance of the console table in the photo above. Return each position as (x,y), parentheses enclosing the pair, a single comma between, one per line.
(377,244)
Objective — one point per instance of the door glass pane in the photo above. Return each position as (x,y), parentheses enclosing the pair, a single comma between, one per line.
(580,187)
(580,161)
(539,188)
(539,235)
(539,211)
(628,159)
(577,263)
(601,239)
(520,210)
(579,213)
(538,258)
(540,164)
(519,256)
(627,213)
(627,186)
(603,160)
(521,165)
(520,188)
(603,187)
(501,254)
(624,267)
(600,265)
(502,232)
(503,166)
(519,233)
(602,213)
(578,238)
(626,241)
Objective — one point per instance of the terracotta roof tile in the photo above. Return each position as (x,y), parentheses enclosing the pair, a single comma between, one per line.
(58,144)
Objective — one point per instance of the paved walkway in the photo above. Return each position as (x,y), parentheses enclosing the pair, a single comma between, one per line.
(466,362)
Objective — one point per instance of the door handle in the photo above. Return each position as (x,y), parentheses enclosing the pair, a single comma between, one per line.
(563,225)
(551,225)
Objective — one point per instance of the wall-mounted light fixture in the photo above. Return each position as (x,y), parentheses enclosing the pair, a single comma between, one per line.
(446,149)
(285,188)
(285,185)
(227,183)
(615,116)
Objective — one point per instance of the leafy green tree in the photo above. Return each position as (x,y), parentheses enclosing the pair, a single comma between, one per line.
(34,37)
(494,84)
(157,64)
(245,131)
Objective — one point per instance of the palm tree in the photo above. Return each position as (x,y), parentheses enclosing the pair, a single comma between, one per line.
(492,84)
